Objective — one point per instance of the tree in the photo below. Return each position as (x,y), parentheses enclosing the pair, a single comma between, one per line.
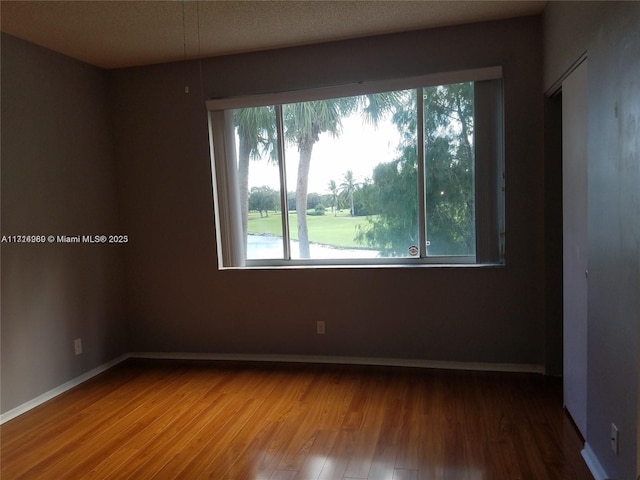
(256,135)
(304,122)
(348,188)
(291,201)
(313,199)
(365,198)
(449,165)
(263,199)
(333,188)
(395,227)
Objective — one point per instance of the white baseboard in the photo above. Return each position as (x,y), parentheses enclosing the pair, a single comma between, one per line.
(25,407)
(387,362)
(592,462)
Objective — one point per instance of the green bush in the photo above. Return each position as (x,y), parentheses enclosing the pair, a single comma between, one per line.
(318,211)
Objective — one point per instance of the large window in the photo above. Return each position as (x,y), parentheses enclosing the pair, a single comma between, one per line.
(402,172)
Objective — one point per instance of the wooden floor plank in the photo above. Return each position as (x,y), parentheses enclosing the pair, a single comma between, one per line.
(205,448)
(314,462)
(405,474)
(339,456)
(41,454)
(287,421)
(408,458)
(371,407)
(82,455)
(242,451)
(234,421)
(63,411)
(200,392)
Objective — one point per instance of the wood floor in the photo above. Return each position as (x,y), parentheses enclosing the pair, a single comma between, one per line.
(193,420)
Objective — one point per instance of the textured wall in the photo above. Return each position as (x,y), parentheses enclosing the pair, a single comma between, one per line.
(609,33)
(179,301)
(565,41)
(58,178)
(614,238)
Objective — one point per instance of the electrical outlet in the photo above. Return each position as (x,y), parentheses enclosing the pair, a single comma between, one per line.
(615,445)
(320,327)
(77,346)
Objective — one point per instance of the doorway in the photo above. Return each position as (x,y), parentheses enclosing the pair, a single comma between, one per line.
(574,250)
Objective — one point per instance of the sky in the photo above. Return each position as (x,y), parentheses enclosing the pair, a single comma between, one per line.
(360,148)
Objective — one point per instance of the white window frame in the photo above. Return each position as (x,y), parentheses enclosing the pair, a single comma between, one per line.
(489,172)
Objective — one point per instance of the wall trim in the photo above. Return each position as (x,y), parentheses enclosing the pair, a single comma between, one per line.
(241,357)
(593,463)
(557,85)
(39,400)
(385,362)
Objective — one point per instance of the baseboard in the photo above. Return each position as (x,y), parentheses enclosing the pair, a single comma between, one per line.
(387,362)
(25,407)
(592,462)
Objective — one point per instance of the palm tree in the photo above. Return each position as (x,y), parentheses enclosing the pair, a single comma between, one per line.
(256,135)
(333,188)
(348,188)
(305,122)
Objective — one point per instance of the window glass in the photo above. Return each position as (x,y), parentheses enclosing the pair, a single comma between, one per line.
(344,160)
(258,182)
(403,176)
(449,169)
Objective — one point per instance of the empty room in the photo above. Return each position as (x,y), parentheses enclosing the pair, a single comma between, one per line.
(277,240)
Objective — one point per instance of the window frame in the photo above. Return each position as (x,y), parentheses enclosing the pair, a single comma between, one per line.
(488,175)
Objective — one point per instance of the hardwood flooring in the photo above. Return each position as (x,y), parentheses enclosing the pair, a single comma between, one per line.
(221,420)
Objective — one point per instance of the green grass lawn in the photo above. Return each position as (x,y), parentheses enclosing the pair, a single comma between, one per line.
(327,229)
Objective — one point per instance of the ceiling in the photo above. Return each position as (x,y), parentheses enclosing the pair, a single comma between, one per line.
(114,34)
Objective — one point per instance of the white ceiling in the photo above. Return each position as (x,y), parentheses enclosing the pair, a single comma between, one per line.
(113,34)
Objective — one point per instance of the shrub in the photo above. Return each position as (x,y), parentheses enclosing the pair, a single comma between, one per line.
(318,211)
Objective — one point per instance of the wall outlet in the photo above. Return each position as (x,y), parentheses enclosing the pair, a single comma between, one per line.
(615,445)
(320,327)
(77,346)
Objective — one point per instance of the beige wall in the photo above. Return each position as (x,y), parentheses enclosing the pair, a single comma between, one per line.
(58,178)
(179,301)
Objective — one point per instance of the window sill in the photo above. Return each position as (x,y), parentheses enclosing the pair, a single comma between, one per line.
(325,266)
